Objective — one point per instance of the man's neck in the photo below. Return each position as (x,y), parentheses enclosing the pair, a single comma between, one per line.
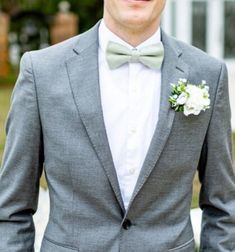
(133,36)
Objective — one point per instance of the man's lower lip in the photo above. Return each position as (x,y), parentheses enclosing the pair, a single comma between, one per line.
(137,2)
(134,1)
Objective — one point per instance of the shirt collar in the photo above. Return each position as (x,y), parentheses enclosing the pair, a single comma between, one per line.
(105,35)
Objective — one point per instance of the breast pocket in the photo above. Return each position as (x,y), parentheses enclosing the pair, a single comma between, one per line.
(49,245)
(188,246)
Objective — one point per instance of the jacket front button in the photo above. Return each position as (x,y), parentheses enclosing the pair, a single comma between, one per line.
(126,224)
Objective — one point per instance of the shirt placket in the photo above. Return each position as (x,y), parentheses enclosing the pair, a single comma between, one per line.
(131,161)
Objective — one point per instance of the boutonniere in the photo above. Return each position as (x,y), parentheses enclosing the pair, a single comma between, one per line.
(189,98)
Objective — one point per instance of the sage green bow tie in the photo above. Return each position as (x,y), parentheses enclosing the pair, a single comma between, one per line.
(151,56)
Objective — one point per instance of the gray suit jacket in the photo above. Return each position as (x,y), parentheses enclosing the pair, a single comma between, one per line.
(56,120)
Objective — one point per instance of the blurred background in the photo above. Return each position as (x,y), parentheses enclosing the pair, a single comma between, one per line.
(34,24)
(209,25)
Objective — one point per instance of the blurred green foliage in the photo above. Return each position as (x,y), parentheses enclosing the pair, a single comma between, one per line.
(89,11)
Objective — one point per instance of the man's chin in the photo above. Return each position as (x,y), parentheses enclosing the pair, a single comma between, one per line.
(135,22)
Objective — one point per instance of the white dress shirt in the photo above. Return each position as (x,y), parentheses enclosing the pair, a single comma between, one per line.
(130,97)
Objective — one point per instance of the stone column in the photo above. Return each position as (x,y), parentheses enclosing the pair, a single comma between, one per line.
(184,20)
(166,22)
(4,28)
(65,24)
(215,28)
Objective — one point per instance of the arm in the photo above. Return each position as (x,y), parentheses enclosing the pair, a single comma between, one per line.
(22,165)
(217,197)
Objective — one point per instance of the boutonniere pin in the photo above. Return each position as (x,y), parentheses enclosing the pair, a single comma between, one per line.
(189,98)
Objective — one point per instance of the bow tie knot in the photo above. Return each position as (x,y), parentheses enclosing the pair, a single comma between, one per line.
(151,56)
(135,54)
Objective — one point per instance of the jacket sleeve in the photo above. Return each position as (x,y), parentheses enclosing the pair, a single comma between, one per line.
(217,196)
(21,166)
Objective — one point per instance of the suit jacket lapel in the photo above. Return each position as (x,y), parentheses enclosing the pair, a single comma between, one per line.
(84,80)
(173,68)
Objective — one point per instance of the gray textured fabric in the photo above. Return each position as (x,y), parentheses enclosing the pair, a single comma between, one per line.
(56,120)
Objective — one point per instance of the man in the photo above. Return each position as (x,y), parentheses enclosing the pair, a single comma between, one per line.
(119,160)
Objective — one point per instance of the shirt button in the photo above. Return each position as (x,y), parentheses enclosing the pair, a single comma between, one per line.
(132,171)
(133,130)
(126,224)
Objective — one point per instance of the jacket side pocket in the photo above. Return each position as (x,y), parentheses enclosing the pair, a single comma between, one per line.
(49,245)
(188,246)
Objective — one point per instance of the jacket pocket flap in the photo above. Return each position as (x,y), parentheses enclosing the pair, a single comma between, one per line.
(49,245)
(186,247)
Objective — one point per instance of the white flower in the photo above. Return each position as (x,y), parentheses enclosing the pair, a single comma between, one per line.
(183,80)
(181,100)
(203,82)
(206,88)
(197,101)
